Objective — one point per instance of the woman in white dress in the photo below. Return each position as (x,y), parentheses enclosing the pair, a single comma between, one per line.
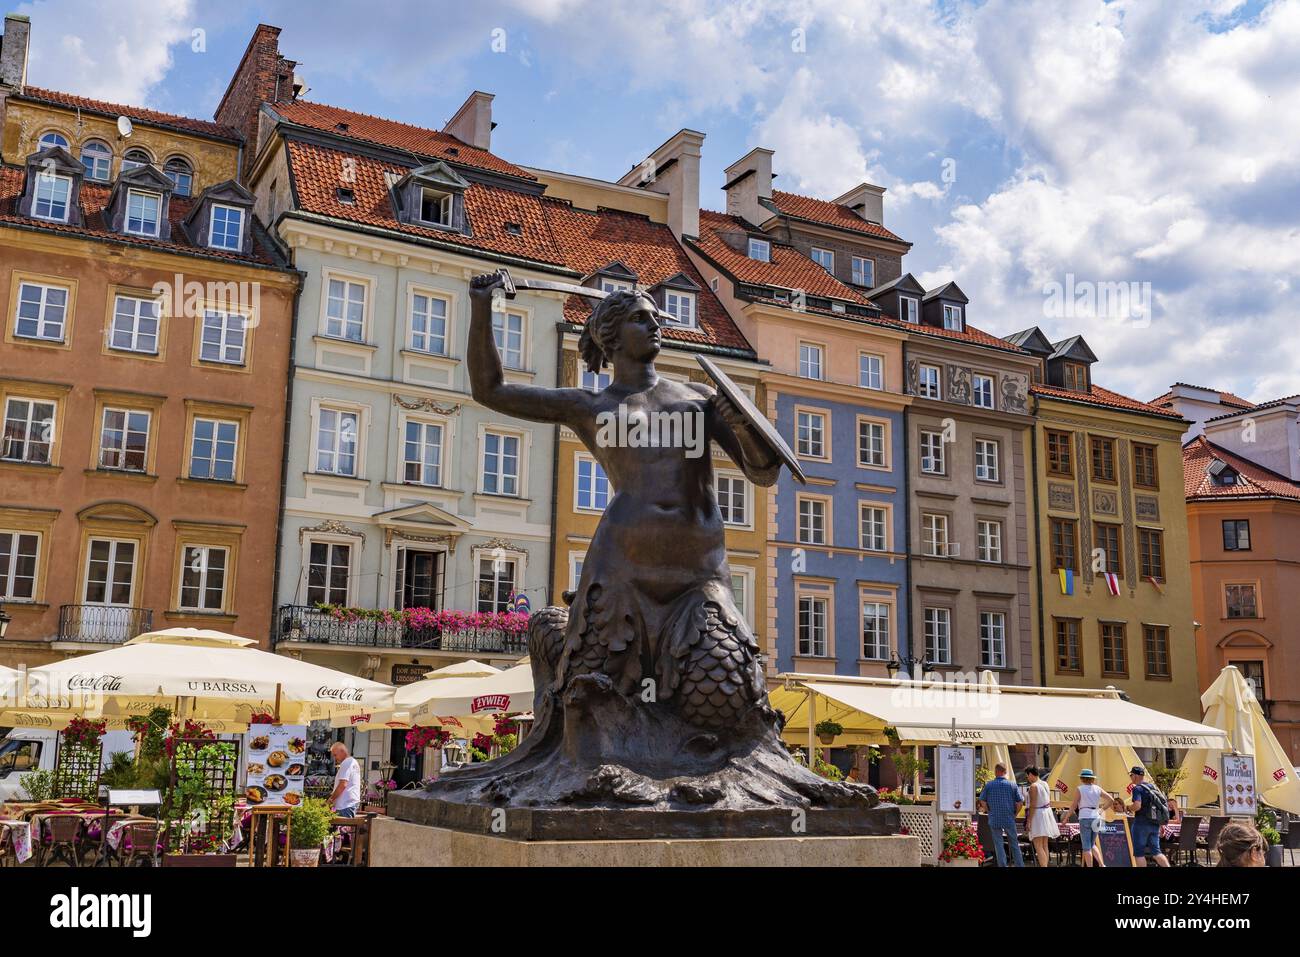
(1038,812)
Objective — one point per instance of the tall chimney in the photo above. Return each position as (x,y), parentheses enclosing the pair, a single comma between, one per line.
(749,181)
(674,169)
(867,201)
(263,76)
(472,123)
(13,53)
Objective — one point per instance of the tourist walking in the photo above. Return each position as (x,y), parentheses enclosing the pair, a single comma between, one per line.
(346,796)
(1038,815)
(1150,811)
(1000,799)
(1089,801)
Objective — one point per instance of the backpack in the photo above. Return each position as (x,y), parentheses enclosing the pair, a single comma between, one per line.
(1155,806)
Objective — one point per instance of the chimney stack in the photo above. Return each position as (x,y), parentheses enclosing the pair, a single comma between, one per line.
(749,183)
(472,123)
(867,201)
(263,76)
(674,169)
(13,53)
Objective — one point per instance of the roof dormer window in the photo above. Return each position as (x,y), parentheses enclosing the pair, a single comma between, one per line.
(909,308)
(226,227)
(615,285)
(1221,473)
(97,158)
(760,249)
(432,195)
(952,317)
(681,306)
(436,207)
(53,197)
(143,212)
(134,159)
(1076,376)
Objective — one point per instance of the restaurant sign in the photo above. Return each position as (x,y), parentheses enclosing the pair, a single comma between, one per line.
(404,674)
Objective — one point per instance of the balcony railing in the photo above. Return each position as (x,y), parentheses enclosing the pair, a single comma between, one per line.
(308,624)
(103,624)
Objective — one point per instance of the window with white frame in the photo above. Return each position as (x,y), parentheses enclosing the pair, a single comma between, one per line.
(53,197)
(500,463)
(135,325)
(740,593)
(596,381)
(760,249)
(53,139)
(18,556)
(203,578)
(345,309)
(927,385)
(28,430)
(143,212)
(871,444)
(910,309)
(214,448)
(508,332)
(871,371)
(934,535)
(42,311)
(811,433)
(952,318)
(810,360)
(329,567)
(937,629)
(496,583)
(422,453)
(993,639)
(110,572)
(97,159)
(932,453)
(576,561)
(614,285)
(812,626)
(982,391)
(681,306)
(134,159)
(436,207)
(336,442)
(429,324)
(223,338)
(812,521)
(226,227)
(181,173)
(592,487)
(824,258)
(875,630)
(124,440)
(732,499)
(874,522)
(864,271)
(986,460)
(988,541)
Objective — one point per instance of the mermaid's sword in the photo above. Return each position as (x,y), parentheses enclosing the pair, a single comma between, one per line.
(510,286)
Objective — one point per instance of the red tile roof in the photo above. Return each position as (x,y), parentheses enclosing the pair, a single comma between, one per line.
(1105,398)
(433,144)
(970,334)
(94,201)
(316,177)
(828,214)
(592,240)
(1254,481)
(138,114)
(1165,400)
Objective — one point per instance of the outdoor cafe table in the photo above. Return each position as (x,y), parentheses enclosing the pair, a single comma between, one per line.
(1168,832)
(18,835)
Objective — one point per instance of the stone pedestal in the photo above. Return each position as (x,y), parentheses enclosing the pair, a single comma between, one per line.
(396,843)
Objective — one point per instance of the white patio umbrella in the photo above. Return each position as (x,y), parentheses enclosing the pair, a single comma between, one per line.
(428,701)
(1230,704)
(464,726)
(11,685)
(202,674)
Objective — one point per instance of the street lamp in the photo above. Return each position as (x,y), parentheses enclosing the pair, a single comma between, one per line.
(906,663)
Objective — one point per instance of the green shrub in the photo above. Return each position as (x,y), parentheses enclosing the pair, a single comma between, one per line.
(309,824)
(38,785)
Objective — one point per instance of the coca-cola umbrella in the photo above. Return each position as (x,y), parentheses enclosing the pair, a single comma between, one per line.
(466,697)
(201,674)
(464,727)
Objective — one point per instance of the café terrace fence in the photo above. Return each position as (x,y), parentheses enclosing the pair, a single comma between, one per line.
(305,623)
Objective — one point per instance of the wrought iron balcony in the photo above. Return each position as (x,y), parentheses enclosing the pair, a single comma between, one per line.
(103,624)
(309,624)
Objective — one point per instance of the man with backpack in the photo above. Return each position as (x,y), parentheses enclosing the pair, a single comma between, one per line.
(1150,813)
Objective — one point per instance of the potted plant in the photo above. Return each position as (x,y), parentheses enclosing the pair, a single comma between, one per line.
(827,731)
(309,826)
(1266,824)
(961,846)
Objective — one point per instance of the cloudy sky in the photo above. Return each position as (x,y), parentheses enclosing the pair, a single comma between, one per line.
(1129,170)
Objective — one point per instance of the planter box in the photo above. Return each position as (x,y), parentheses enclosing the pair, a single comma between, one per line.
(922,823)
(198,860)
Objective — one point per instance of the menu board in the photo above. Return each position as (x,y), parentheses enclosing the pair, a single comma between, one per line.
(956,780)
(276,763)
(1239,797)
(1116,843)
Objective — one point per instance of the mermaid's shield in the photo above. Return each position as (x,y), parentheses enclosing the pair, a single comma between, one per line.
(757,421)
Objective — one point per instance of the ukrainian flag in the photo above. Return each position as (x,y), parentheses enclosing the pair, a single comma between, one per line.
(1067,580)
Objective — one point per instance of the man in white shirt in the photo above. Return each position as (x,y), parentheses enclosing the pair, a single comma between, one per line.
(346,796)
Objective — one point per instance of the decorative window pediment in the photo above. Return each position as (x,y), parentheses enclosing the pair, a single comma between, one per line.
(432,195)
(222,218)
(52,189)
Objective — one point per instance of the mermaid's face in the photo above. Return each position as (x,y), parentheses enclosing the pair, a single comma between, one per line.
(639,336)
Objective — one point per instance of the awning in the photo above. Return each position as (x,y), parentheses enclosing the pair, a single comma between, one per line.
(924,712)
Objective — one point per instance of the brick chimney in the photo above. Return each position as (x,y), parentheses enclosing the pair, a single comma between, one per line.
(13,54)
(674,169)
(867,201)
(263,76)
(472,123)
(749,180)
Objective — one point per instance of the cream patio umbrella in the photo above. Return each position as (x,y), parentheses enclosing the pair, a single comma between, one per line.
(1111,764)
(206,675)
(401,719)
(1230,704)
(429,702)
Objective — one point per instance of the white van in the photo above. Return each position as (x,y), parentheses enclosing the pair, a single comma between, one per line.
(33,749)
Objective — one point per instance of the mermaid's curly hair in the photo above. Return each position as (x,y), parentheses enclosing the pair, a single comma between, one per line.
(598,336)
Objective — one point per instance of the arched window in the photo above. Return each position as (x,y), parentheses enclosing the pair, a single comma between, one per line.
(135,157)
(180,172)
(53,139)
(98,160)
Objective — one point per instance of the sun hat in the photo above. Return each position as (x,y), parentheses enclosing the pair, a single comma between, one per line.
(1087,773)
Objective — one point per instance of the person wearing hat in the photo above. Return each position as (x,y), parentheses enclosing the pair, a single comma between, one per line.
(1150,811)
(1089,801)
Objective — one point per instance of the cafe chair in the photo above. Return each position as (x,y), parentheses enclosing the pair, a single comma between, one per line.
(1291,842)
(140,845)
(1212,837)
(65,833)
(1184,849)
(355,851)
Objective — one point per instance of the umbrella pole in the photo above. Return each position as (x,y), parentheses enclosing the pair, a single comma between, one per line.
(812,723)
(278,689)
